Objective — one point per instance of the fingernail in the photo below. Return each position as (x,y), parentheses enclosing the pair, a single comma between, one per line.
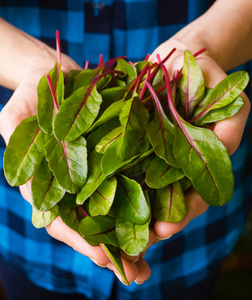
(94,261)
(139,282)
(163,238)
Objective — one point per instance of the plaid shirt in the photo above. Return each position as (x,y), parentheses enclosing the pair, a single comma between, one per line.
(113,28)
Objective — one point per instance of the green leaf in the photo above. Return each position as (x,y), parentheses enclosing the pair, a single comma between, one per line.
(170,204)
(94,179)
(133,238)
(85,78)
(139,165)
(68,161)
(69,82)
(71,216)
(99,229)
(159,174)
(223,93)
(160,132)
(111,162)
(114,254)
(41,219)
(221,113)
(77,113)
(205,162)
(112,111)
(23,152)
(191,85)
(102,198)
(129,70)
(130,201)
(134,118)
(95,136)
(69,200)
(46,192)
(45,107)
(107,140)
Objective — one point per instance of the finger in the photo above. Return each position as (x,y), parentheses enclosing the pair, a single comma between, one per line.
(196,207)
(131,258)
(144,271)
(25,191)
(230,130)
(130,269)
(60,231)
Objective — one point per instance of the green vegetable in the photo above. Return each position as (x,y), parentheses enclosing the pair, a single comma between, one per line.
(106,140)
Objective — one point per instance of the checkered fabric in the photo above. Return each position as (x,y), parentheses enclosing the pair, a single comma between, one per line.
(113,28)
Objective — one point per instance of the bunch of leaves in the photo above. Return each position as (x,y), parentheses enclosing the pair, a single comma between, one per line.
(114,148)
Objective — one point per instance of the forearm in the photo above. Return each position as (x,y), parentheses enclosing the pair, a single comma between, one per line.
(21,53)
(225,30)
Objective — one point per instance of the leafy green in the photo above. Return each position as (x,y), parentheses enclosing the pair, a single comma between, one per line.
(170,204)
(46,192)
(23,151)
(44,218)
(68,161)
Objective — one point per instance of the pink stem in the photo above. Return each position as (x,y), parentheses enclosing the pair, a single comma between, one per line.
(58,50)
(100,61)
(55,103)
(144,86)
(86,65)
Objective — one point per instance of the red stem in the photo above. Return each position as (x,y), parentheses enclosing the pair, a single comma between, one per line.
(55,103)
(58,50)
(86,65)
(82,211)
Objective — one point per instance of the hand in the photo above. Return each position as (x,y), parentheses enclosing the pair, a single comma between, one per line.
(229,131)
(23,104)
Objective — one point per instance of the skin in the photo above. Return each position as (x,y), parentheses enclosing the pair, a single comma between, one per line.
(225,30)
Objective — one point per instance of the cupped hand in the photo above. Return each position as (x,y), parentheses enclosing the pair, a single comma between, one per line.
(23,104)
(229,131)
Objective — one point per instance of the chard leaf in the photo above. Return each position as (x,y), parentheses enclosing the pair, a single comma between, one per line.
(114,255)
(95,136)
(77,113)
(191,85)
(139,165)
(45,107)
(99,229)
(129,70)
(69,82)
(41,219)
(133,238)
(102,198)
(203,158)
(160,132)
(221,113)
(159,174)
(170,204)
(69,200)
(23,152)
(68,161)
(94,179)
(205,162)
(112,111)
(107,140)
(223,94)
(71,216)
(130,201)
(134,118)
(85,78)
(60,89)
(46,192)
(111,162)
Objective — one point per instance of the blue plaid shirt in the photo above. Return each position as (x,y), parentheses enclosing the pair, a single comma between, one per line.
(113,28)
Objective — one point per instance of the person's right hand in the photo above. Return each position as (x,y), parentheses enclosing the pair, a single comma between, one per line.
(23,104)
